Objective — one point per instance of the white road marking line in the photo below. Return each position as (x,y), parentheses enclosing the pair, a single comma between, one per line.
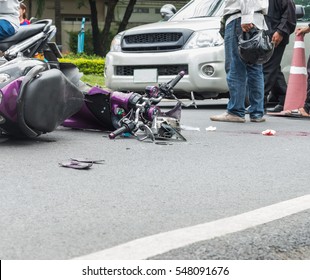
(153,245)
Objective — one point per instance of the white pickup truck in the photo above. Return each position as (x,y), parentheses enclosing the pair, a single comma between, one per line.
(188,41)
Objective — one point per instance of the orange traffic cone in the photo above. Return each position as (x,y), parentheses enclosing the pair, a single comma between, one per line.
(297,82)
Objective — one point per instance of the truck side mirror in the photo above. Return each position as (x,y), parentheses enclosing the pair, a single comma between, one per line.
(300,11)
(167,11)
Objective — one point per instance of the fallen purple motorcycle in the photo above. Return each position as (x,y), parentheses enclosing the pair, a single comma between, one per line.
(36,97)
(130,113)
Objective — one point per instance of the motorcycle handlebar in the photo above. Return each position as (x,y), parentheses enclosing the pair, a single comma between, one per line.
(131,125)
(127,126)
(118,131)
(174,81)
(167,88)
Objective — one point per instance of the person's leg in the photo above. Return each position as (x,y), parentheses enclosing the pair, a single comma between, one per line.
(274,81)
(236,70)
(280,87)
(235,76)
(307,101)
(6,29)
(256,91)
(278,92)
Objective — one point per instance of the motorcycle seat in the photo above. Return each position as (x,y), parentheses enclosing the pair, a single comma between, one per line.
(24,32)
(46,100)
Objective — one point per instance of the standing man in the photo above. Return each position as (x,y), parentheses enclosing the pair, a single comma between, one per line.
(9,18)
(242,16)
(281,21)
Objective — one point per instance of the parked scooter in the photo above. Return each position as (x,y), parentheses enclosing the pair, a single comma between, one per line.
(29,41)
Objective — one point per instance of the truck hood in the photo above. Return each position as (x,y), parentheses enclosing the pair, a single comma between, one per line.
(195,24)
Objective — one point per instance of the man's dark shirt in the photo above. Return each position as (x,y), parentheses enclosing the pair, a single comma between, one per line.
(282,18)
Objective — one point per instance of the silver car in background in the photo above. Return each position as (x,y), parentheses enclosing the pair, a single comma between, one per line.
(189,41)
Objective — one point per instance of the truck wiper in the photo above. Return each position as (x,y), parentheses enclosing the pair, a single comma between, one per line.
(198,17)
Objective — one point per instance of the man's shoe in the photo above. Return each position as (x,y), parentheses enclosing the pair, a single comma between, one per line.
(226,117)
(258,120)
(279,108)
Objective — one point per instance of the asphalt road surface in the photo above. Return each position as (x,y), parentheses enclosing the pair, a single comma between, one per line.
(226,179)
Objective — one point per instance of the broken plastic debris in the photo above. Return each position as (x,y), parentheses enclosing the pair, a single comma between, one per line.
(88,160)
(75,164)
(186,127)
(163,143)
(269,132)
(80,163)
(211,128)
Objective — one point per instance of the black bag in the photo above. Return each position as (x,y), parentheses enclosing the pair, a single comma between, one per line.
(255,46)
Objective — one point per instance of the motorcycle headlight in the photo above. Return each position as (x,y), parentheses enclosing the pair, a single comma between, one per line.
(204,39)
(116,43)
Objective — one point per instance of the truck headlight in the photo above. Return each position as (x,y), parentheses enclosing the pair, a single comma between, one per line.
(204,39)
(116,43)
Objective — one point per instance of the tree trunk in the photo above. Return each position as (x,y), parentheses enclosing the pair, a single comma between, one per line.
(40,8)
(98,49)
(58,21)
(29,9)
(127,15)
(107,25)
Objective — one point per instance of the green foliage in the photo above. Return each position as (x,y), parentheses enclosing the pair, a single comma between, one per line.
(94,80)
(81,55)
(87,64)
(88,42)
(81,3)
(40,7)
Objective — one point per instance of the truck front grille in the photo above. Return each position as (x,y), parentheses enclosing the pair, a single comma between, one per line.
(154,41)
(163,70)
(152,38)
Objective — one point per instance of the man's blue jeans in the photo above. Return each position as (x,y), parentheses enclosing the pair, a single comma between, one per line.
(242,77)
(6,29)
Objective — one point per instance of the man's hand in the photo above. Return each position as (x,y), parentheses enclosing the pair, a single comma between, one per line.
(277,39)
(246,27)
(302,30)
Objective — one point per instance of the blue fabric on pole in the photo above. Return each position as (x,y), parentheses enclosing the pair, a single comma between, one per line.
(81,37)
(6,29)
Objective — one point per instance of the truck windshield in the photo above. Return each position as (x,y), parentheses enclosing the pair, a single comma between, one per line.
(200,8)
